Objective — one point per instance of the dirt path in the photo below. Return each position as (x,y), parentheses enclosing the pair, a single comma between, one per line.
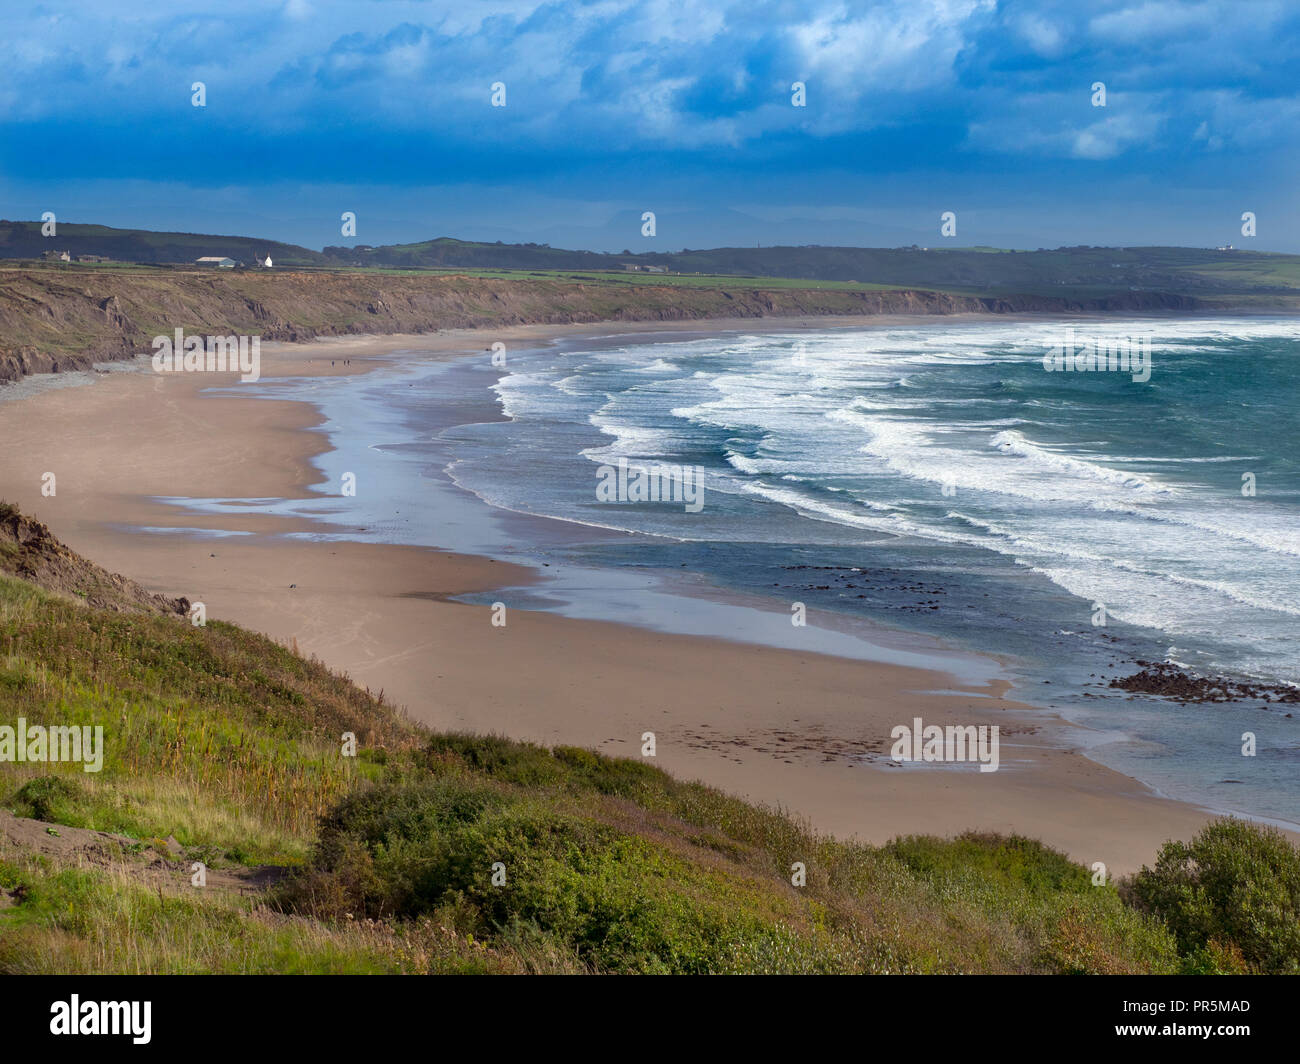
(80,847)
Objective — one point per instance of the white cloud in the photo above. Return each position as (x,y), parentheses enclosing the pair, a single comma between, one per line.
(1042,36)
(1039,127)
(1154,21)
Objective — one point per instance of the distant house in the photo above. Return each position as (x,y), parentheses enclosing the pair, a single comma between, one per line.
(265,263)
(1226,247)
(656,269)
(636,267)
(57,256)
(93,258)
(216,260)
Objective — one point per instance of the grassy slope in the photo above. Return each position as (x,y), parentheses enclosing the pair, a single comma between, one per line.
(229,743)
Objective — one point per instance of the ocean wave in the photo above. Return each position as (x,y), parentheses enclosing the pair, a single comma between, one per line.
(1015,443)
(863,429)
(659,365)
(1016,542)
(755,466)
(630,441)
(893,523)
(1244,530)
(912,450)
(572,384)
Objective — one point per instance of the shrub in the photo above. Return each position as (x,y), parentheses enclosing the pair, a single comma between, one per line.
(576,888)
(612,775)
(1004,859)
(505,759)
(1233,891)
(46,798)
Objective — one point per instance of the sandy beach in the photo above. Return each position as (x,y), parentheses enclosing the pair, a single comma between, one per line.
(803,731)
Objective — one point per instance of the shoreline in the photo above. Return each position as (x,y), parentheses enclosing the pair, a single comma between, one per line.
(786,727)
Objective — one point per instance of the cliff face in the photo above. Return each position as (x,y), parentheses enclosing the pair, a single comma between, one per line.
(61,320)
(28,549)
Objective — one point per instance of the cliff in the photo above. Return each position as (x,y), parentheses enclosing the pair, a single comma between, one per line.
(29,550)
(56,320)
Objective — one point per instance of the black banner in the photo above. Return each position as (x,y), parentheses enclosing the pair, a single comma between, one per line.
(208,1014)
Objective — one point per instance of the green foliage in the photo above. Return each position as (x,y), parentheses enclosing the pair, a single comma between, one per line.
(615,776)
(1010,860)
(1232,892)
(685,879)
(615,900)
(46,798)
(511,762)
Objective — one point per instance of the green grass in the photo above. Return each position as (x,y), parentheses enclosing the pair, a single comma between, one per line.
(230,743)
(84,920)
(218,738)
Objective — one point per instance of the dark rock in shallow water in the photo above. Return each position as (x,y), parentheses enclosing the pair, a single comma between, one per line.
(1171,681)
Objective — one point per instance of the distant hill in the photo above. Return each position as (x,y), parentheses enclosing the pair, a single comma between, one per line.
(447,252)
(1041,272)
(1078,273)
(23,240)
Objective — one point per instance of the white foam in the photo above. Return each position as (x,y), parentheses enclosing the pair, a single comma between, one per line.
(1014,443)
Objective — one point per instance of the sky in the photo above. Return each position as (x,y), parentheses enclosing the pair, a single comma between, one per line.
(685,108)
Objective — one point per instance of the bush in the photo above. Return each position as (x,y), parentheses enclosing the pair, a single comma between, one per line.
(521,763)
(46,798)
(612,775)
(581,888)
(1008,860)
(1232,892)
(377,847)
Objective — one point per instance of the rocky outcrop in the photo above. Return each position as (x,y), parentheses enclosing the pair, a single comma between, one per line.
(29,550)
(1174,682)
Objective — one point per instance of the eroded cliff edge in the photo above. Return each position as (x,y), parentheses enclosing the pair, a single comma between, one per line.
(57,321)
